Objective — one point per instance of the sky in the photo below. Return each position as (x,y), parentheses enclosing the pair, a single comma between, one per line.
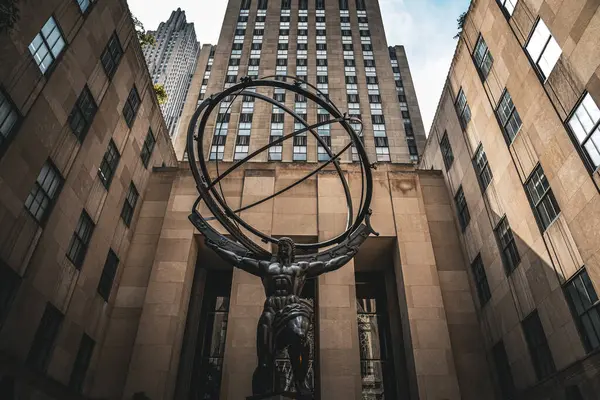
(425,27)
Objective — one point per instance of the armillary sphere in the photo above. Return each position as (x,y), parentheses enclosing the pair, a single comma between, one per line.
(210,190)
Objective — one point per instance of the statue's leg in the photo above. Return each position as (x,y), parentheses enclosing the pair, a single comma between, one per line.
(299,357)
(263,377)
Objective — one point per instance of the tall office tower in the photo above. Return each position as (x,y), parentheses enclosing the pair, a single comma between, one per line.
(517,136)
(172,61)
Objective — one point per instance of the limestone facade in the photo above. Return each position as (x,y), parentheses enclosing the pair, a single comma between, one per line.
(554,254)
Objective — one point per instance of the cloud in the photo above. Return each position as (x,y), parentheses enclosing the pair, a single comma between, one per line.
(426,29)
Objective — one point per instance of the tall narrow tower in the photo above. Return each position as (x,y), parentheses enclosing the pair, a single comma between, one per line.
(172,61)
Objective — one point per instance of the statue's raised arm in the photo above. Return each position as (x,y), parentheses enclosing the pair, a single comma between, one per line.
(249,265)
(317,268)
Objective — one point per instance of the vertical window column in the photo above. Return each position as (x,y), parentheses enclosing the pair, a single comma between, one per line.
(242,142)
(408,128)
(237,50)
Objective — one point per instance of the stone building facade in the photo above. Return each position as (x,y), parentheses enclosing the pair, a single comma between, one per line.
(516,136)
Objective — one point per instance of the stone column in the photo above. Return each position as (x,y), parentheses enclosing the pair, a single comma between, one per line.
(339,357)
(153,366)
(247,296)
(417,275)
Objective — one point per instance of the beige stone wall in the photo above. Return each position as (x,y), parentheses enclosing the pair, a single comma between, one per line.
(571,242)
(37,252)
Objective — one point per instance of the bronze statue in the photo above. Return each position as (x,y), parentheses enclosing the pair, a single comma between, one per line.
(285,320)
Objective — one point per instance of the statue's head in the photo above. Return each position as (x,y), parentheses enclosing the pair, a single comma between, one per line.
(286,250)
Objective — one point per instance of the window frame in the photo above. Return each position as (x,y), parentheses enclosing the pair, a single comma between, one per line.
(463,111)
(131,200)
(510,264)
(580,145)
(107,51)
(487,56)
(16,124)
(147,148)
(109,272)
(480,172)
(447,153)
(482,285)
(44,341)
(536,62)
(81,364)
(78,110)
(547,194)
(513,113)
(507,13)
(112,166)
(55,58)
(51,200)
(84,242)
(590,305)
(462,208)
(537,344)
(130,106)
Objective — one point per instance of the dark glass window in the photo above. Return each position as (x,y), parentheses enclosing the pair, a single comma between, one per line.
(346,32)
(262,4)
(381,141)
(9,117)
(583,300)
(369,63)
(299,140)
(446,150)
(147,148)
(378,119)
(131,106)
(320,4)
(352,98)
(9,284)
(343,4)
(129,205)
(111,56)
(234,61)
(240,32)
(483,58)
(286,4)
(321,62)
(210,349)
(349,63)
(109,164)
(375,98)
(44,192)
(462,209)
(538,346)
(350,79)
(462,109)
(505,378)
(374,337)
(367,47)
(245,4)
(83,112)
(509,117)
(482,168)
(303,4)
(372,80)
(254,62)
(481,282)
(541,197)
(236,46)
(80,240)
(508,247)
(321,32)
(321,46)
(108,275)
(360,5)
(230,78)
(277,118)
(43,341)
(82,363)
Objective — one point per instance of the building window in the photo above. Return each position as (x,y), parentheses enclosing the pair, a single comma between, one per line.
(374,337)
(483,58)
(584,304)
(9,284)
(84,5)
(9,116)
(82,115)
(585,125)
(131,106)
(462,109)
(212,335)
(509,117)
(482,168)
(505,378)
(111,56)
(462,209)
(543,49)
(82,363)
(542,199)
(147,148)
(80,240)
(109,164)
(508,247)
(481,282)
(129,205)
(44,192)
(538,346)
(508,6)
(43,341)
(108,275)
(446,150)
(47,45)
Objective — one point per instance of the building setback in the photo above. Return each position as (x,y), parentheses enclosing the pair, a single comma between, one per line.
(516,136)
(172,61)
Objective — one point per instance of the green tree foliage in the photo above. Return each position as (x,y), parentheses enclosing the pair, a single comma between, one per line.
(161,93)
(9,14)
(461,24)
(145,38)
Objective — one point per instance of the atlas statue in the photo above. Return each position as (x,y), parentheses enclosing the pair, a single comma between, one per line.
(286,317)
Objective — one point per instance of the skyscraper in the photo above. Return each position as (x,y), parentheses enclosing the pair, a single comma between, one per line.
(171,61)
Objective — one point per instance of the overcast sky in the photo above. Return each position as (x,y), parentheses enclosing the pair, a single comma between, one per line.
(425,28)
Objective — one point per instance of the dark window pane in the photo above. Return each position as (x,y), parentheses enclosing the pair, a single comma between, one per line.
(82,115)
(109,164)
(108,275)
(446,150)
(43,341)
(44,192)
(9,284)
(538,346)
(129,205)
(82,363)
(481,282)
(462,209)
(131,106)
(80,240)
(147,148)
(505,377)
(111,56)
